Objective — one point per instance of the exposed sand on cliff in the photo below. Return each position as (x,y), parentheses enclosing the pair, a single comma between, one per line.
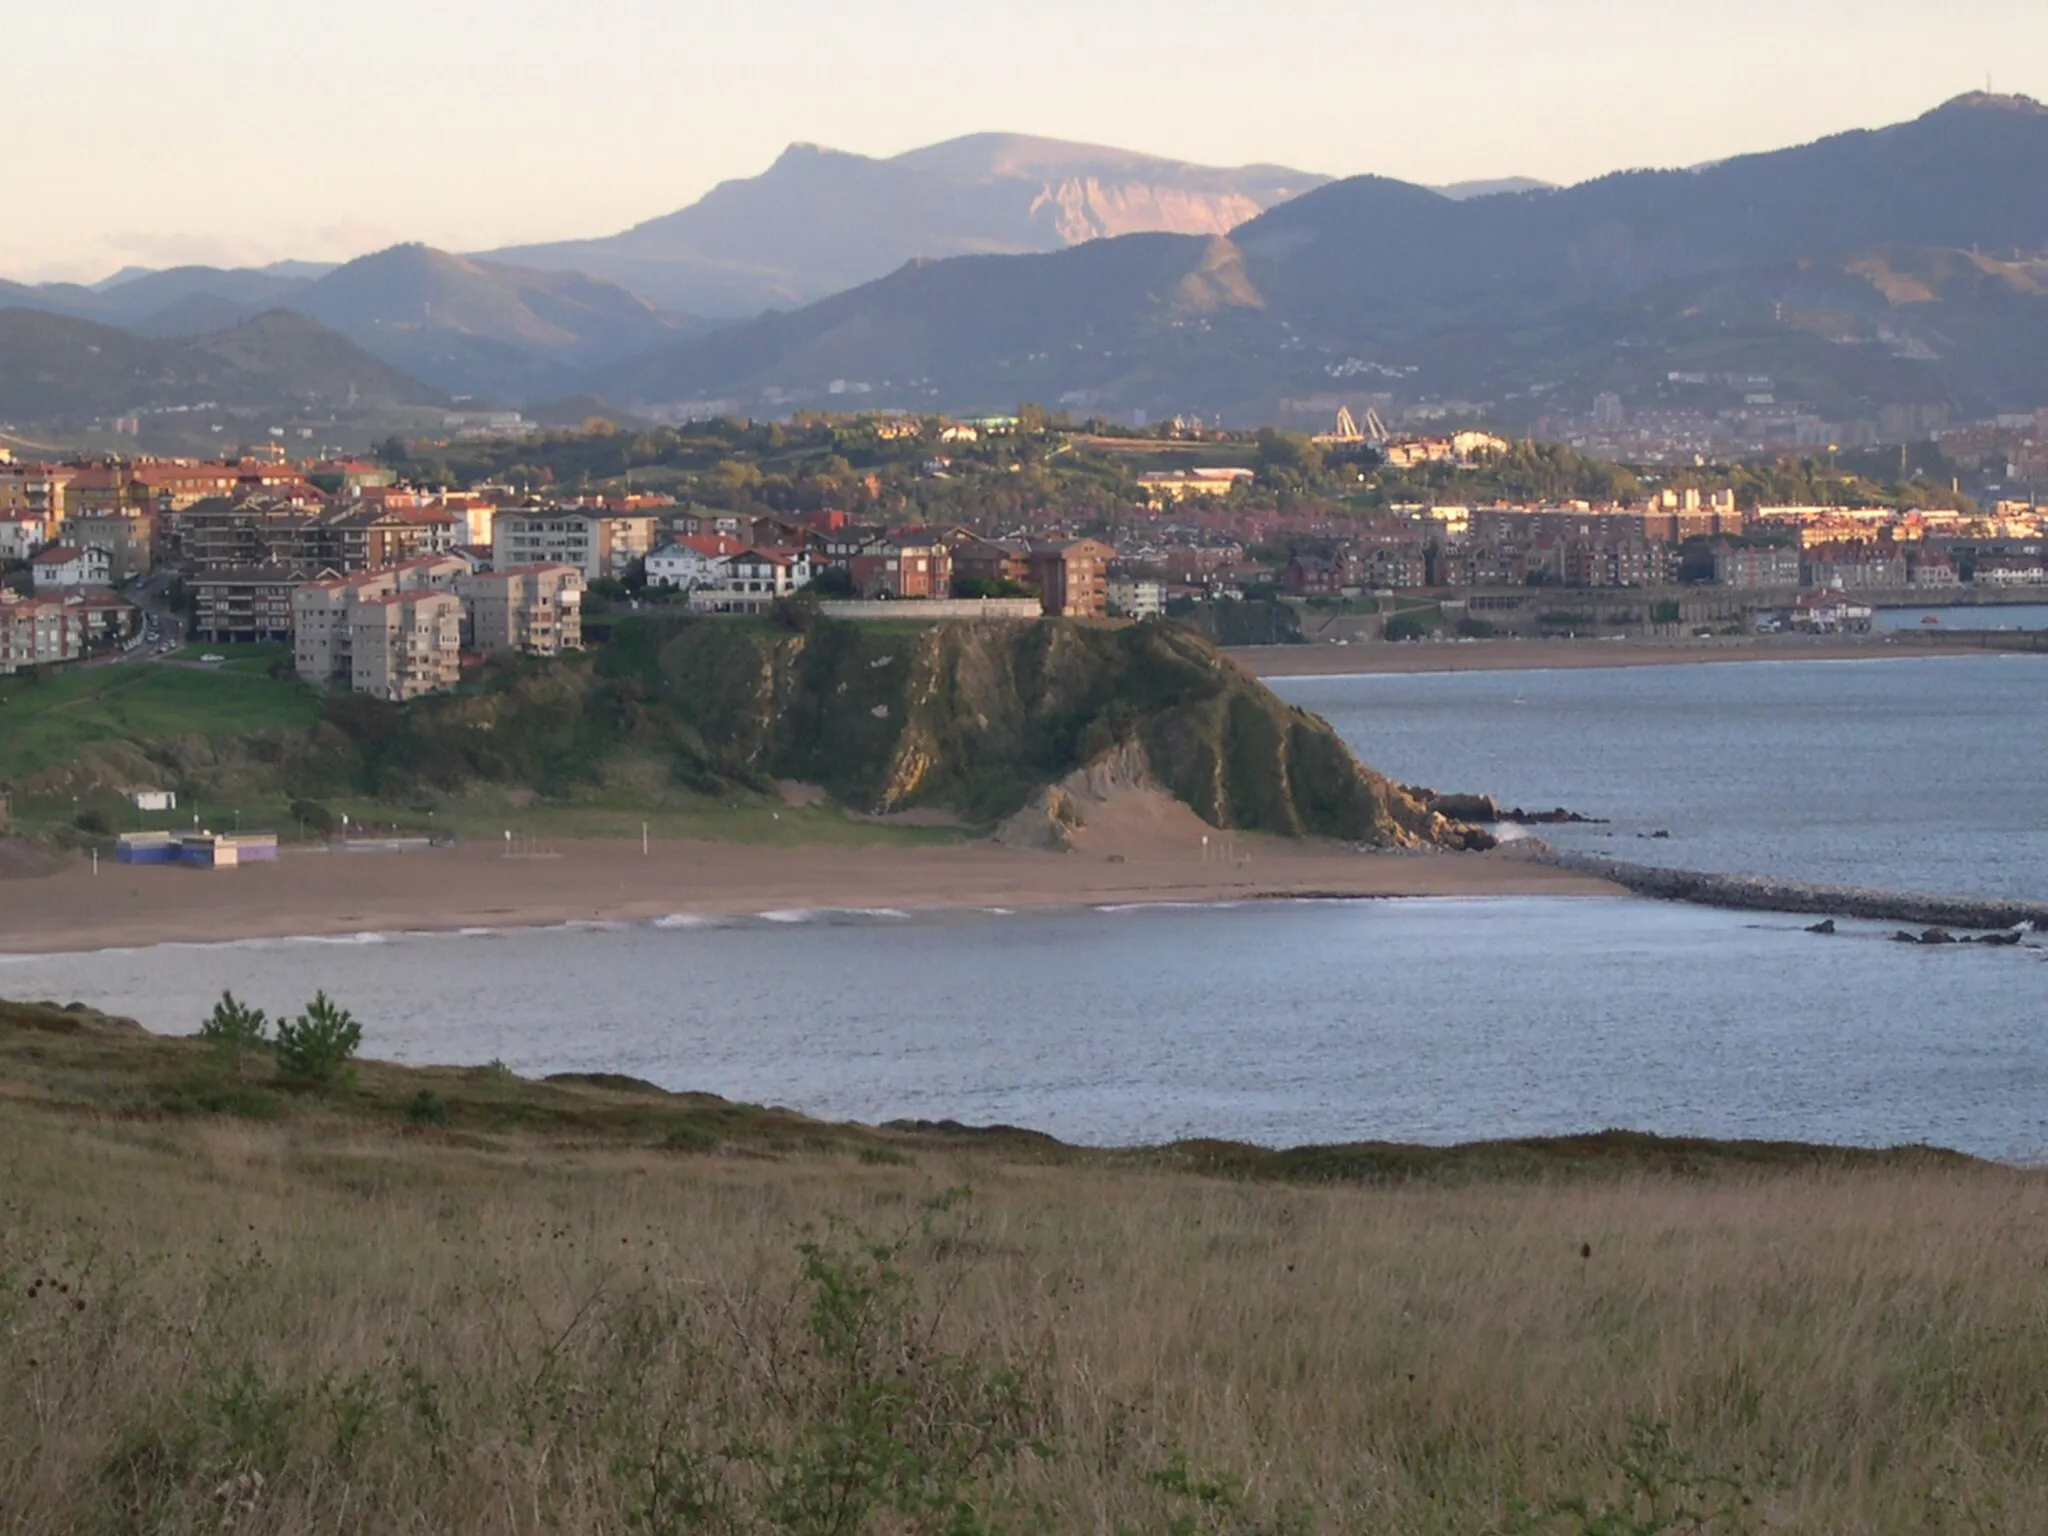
(1133,851)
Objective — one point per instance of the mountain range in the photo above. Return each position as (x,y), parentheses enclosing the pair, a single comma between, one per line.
(1899,265)
(1871,267)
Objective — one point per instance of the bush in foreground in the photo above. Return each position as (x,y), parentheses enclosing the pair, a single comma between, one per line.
(316,1047)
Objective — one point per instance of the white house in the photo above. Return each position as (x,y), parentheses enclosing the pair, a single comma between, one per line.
(62,566)
(690,562)
(751,580)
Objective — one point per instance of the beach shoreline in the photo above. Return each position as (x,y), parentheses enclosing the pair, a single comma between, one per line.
(1382,659)
(477,886)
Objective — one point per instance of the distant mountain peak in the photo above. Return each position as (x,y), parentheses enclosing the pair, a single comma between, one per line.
(820,220)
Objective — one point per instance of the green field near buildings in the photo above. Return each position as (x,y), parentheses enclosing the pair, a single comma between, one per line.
(44,721)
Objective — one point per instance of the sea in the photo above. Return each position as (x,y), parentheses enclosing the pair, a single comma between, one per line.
(1296,1022)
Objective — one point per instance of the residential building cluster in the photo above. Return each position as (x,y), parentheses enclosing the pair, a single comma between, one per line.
(734,564)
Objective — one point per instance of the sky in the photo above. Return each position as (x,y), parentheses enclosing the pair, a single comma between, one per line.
(159,132)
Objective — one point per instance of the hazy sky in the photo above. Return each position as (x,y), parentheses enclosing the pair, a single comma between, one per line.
(165,131)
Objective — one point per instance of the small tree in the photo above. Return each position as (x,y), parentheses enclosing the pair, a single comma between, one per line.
(234,1030)
(316,1046)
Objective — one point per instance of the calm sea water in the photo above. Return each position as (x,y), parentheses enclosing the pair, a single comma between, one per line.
(1279,1023)
(1922,774)
(1978,616)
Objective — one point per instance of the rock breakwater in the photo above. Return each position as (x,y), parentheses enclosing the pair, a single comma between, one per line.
(1758,893)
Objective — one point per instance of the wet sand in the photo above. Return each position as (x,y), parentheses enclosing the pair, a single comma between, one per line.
(1534,655)
(478,886)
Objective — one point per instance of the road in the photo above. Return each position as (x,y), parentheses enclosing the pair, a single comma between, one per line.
(164,630)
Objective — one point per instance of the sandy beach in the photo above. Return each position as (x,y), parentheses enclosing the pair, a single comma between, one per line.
(478,886)
(1533,655)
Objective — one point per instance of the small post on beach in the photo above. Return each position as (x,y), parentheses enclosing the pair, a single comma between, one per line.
(1205,847)
(643,839)
(95,861)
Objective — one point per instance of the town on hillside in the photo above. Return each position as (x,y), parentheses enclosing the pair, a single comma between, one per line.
(385,575)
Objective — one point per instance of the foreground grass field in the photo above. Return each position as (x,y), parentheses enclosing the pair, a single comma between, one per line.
(451,1301)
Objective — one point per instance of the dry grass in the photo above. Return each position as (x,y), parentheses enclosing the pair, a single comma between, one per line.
(328,1323)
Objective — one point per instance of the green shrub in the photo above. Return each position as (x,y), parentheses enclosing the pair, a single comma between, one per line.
(685,1137)
(427,1108)
(93,822)
(317,1045)
(316,818)
(1405,626)
(234,1031)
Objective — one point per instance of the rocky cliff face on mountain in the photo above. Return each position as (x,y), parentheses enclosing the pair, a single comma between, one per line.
(820,220)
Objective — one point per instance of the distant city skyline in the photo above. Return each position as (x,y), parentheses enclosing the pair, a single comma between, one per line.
(234,133)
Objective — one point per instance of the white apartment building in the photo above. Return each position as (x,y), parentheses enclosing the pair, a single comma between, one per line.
(1135,597)
(598,544)
(323,632)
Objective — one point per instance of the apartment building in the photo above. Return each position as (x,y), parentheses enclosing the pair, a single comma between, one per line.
(1070,576)
(42,631)
(537,609)
(21,534)
(987,560)
(127,537)
(597,543)
(914,567)
(405,644)
(1135,597)
(36,632)
(1854,567)
(245,604)
(323,614)
(35,488)
(1751,566)
(172,485)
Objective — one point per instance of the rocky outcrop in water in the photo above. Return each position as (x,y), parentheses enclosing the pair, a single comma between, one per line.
(1484,810)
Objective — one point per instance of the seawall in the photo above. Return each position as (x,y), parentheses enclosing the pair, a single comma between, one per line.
(1757,893)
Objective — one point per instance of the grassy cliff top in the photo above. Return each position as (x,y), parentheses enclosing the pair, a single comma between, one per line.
(452,1300)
